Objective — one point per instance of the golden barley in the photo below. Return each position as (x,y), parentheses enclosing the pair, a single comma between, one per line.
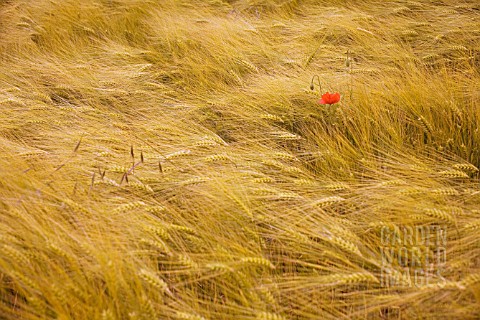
(188,316)
(471,279)
(153,280)
(345,245)
(439,214)
(17,256)
(412,191)
(283,135)
(358,277)
(148,309)
(206,143)
(328,201)
(409,33)
(285,196)
(108,182)
(474,225)
(60,252)
(284,156)
(292,170)
(425,124)
(265,191)
(118,169)
(273,163)
(467,167)
(401,10)
(269,316)
(242,196)
(250,66)
(194,181)
(236,77)
(185,260)
(59,294)
(453,174)
(159,231)
(140,186)
(156,209)
(336,186)
(157,244)
(257,261)
(182,229)
(304,182)
(272,117)
(218,266)
(268,296)
(129,206)
(459,48)
(396,182)
(444,191)
(177,154)
(218,157)
(263,180)
(25,281)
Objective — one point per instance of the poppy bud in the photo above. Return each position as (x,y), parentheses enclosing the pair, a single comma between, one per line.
(312,86)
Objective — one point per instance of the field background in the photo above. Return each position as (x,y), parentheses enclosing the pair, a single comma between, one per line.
(169,160)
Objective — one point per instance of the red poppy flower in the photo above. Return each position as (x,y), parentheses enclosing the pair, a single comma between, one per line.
(330,98)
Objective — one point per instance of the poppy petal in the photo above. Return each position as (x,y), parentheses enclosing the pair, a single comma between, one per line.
(330,98)
(326,98)
(336,97)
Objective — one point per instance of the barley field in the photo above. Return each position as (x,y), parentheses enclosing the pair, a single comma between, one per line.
(171,159)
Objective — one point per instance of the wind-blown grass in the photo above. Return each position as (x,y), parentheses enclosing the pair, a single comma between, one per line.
(167,159)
